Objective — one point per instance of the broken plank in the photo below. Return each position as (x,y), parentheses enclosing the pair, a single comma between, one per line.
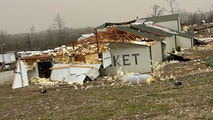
(64,67)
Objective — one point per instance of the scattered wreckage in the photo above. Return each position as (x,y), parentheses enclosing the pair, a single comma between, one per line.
(54,67)
(112,49)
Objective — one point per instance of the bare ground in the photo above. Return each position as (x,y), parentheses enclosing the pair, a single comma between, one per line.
(101,99)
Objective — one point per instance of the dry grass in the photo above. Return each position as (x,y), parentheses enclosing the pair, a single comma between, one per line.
(101,99)
(160,100)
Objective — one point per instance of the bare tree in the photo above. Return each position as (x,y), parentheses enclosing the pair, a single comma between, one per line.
(203,16)
(157,10)
(32,31)
(194,18)
(3,37)
(59,25)
(30,37)
(173,6)
(50,38)
(210,17)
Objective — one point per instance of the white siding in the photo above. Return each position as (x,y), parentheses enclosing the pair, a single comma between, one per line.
(106,59)
(131,57)
(156,50)
(170,24)
(170,44)
(184,42)
(20,77)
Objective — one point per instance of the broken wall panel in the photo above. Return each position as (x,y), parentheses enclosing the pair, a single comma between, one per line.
(74,73)
(60,74)
(106,59)
(20,76)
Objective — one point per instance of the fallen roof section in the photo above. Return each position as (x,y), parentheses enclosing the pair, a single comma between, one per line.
(152,30)
(138,33)
(187,35)
(111,24)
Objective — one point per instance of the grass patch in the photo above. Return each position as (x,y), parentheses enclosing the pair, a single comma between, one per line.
(142,107)
(164,95)
(120,102)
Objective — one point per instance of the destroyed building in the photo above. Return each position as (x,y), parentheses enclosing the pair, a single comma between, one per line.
(133,46)
(204,33)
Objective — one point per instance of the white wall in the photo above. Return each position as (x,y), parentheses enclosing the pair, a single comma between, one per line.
(184,42)
(131,57)
(170,44)
(170,24)
(156,50)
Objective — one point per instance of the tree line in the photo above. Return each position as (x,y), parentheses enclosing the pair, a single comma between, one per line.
(56,35)
(187,18)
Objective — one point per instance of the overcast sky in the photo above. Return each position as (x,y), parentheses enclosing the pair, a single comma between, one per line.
(17,16)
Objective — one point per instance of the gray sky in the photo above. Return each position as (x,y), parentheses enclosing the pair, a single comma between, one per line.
(17,16)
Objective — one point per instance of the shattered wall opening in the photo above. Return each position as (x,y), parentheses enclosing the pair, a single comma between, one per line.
(44,69)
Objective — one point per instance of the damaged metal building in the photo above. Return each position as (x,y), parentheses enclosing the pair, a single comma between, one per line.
(133,46)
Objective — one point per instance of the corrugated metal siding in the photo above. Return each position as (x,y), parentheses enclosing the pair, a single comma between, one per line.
(131,57)
(156,51)
(184,42)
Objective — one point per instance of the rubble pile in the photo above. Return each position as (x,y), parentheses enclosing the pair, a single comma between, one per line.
(175,69)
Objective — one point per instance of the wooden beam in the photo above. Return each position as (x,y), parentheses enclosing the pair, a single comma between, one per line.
(67,66)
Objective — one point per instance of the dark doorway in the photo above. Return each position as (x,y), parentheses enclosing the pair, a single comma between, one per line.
(44,69)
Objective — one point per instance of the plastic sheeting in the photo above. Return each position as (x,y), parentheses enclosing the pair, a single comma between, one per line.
(136,78)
